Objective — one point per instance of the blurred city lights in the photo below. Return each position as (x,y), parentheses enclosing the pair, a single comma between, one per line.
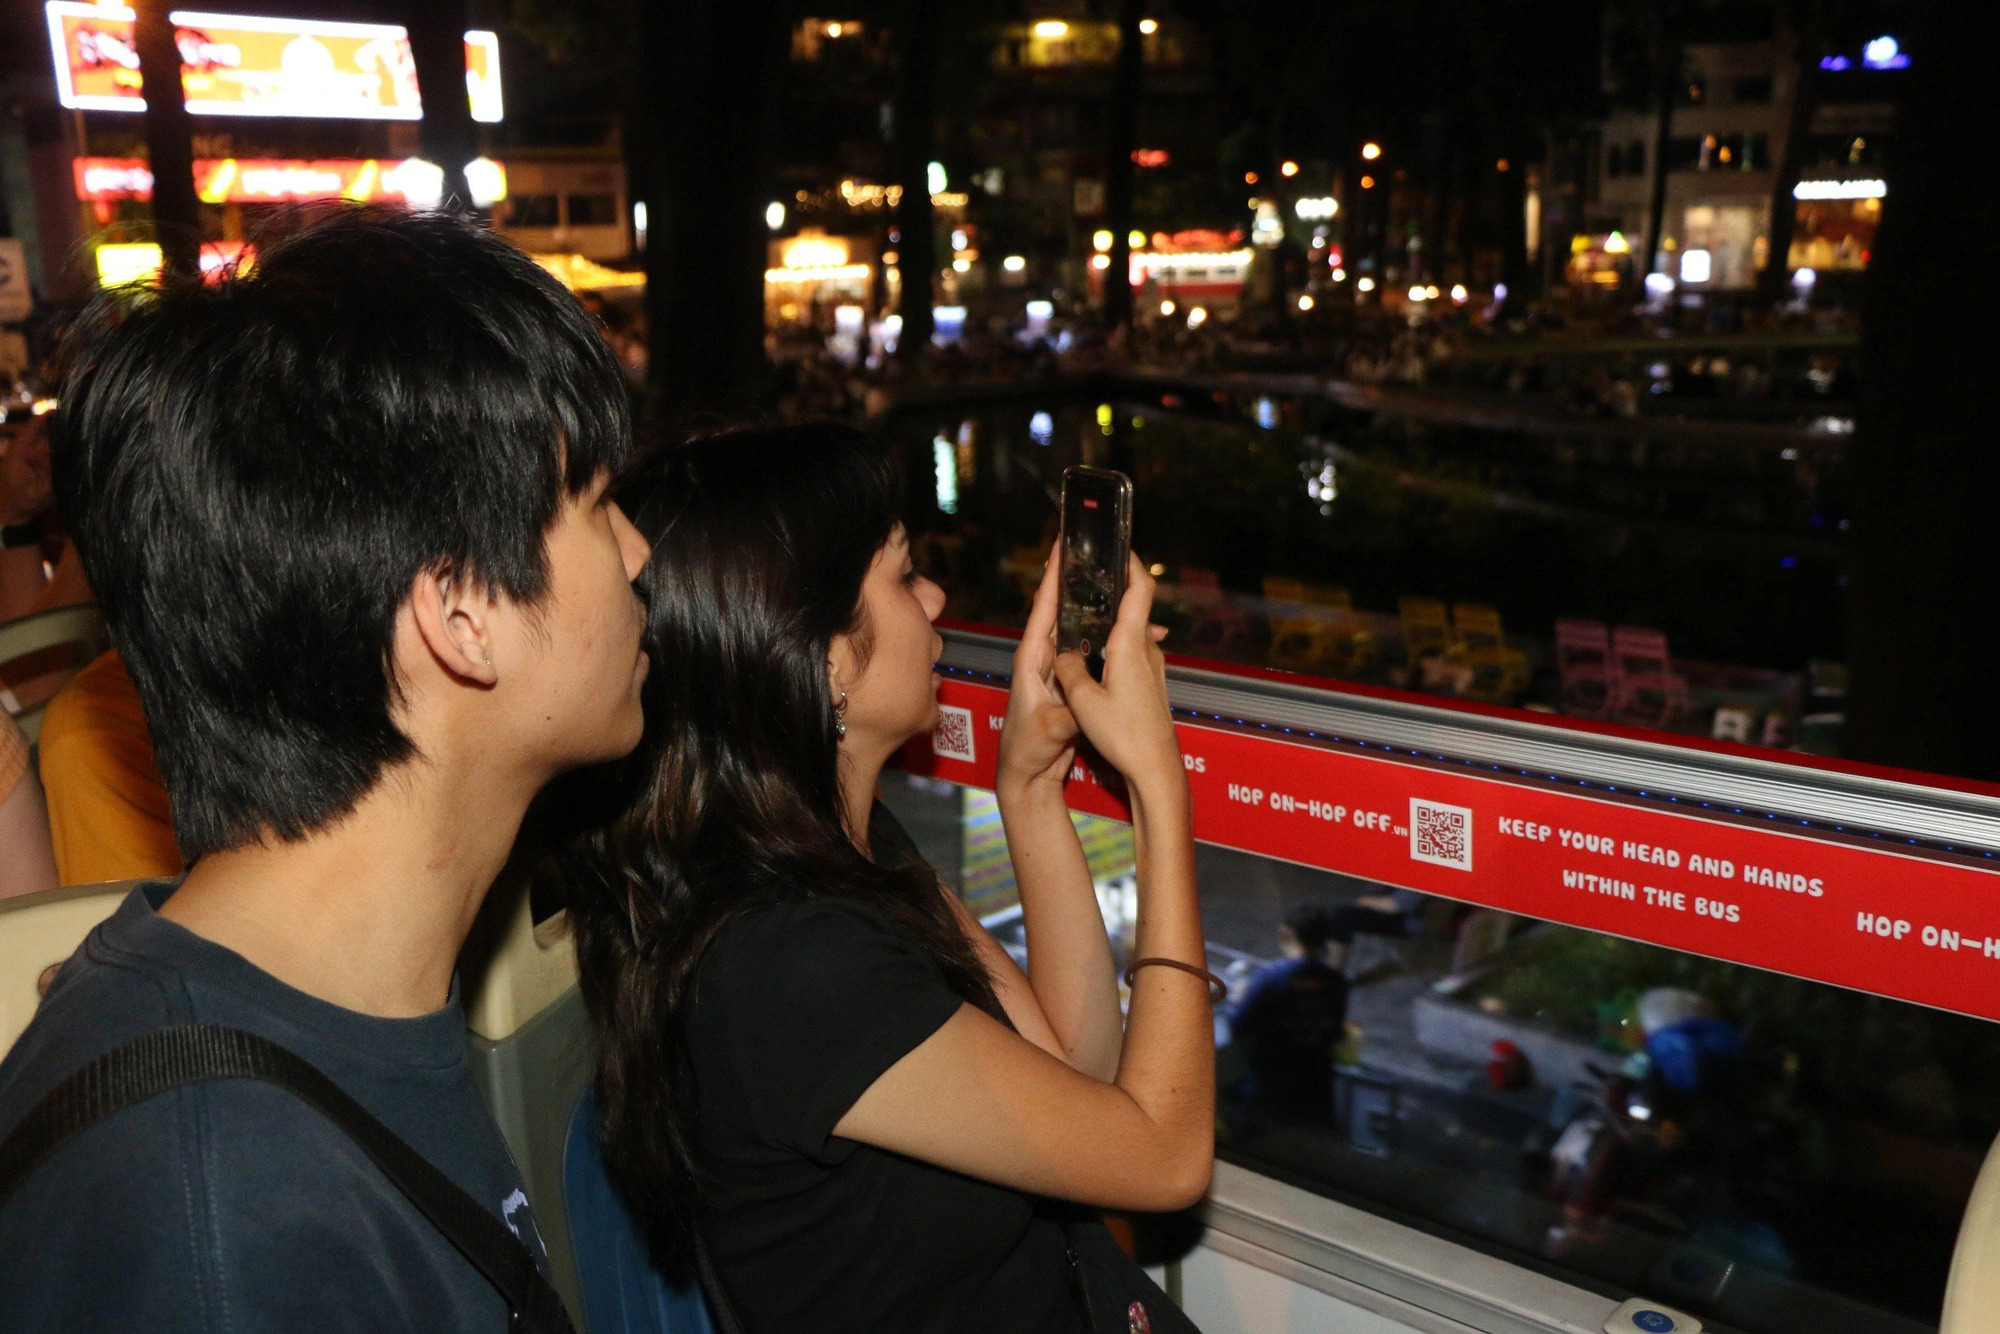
(1315,208)
(1868,189)
(1431,291)
(1419,294)
(1697,265)
(1365,284)
(1884,53)
(774,215)
(639,224)
(1804,279)
(1149,26)
(1100,261)
(1051,28)
(1370,151)
(1041,310)
(1459,296)
(1014,263)
(485,181)
(1135,238)
(1339,275)
(1042,428)
(958,238)
(1616,244)
(1249,178)
(1368,182)
(1101,241)
(418,181)
(1659,286)
(961,265)
(1197,317)
(1305,301)
(934,177)
(1166,308)
(1288,168)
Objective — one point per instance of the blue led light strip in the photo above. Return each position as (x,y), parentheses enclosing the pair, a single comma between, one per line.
(1539,777)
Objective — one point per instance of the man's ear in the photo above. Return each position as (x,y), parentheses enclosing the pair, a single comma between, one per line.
(454,617)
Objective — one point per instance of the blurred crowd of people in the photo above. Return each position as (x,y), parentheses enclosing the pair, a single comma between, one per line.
(75,753)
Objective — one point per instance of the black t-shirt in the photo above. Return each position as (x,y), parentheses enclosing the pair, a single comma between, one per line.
(231,1205)
(798,1006)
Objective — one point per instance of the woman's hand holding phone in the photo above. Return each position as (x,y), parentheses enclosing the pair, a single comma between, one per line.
(1126,716)
(1039,740)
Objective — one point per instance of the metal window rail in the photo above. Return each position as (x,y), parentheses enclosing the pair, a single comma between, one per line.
(1720,782)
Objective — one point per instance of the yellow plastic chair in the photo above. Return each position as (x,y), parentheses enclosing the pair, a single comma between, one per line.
(1426,628)
(1499,672)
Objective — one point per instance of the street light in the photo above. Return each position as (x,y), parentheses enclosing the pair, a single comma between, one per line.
(1051,28)
(1370,151)
(1288,168)
(1149,26)
(774,215)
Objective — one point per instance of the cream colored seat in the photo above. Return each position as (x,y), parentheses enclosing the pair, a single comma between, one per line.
(1972,1292)
(530,1044)
(37,930)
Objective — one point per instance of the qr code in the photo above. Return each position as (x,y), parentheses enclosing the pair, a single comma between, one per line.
(1440,835)
(952,739)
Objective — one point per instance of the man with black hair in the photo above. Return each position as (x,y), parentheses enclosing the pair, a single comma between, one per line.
(1291,1019)
(346,517)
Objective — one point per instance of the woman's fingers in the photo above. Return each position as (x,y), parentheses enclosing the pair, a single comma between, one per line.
(1079,687)
(1136,606)
(1038,638)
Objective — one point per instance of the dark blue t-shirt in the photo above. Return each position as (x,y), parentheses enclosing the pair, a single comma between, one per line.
(231,1205)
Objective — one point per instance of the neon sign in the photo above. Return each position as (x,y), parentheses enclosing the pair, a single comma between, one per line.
(231,180)
(242,65)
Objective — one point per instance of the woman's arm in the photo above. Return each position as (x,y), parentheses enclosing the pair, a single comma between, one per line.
(27,858)
(979,1099)
(1069,959)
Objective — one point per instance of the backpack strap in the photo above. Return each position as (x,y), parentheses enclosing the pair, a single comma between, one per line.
(169,1058)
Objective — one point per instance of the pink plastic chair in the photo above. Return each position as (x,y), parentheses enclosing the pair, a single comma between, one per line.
(1647,690)
(1589,673)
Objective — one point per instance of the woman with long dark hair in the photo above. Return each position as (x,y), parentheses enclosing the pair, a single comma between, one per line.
(815,1063)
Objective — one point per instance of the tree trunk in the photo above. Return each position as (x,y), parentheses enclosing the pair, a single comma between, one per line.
(707,242)
(445,136)
(1656,199)
(1773,278)
(916,110)
(1127,75)
(1923,647)
(169,142)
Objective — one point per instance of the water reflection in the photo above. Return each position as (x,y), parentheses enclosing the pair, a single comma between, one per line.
(1683,579)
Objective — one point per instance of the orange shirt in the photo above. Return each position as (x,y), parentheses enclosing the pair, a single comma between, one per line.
(107,803)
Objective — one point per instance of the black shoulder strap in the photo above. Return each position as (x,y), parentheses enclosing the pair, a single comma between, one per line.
(192,1053)
(719,1309)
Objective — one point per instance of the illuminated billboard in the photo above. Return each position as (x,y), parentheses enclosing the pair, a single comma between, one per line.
(231,180)
(240,65)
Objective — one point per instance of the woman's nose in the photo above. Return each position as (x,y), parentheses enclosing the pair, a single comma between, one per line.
(932,598)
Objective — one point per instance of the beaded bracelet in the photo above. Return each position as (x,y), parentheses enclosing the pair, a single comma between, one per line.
(1218,990)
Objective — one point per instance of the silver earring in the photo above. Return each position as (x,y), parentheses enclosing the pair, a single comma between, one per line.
(840,716)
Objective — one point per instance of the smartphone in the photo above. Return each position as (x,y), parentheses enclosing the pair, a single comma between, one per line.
(1096,538)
